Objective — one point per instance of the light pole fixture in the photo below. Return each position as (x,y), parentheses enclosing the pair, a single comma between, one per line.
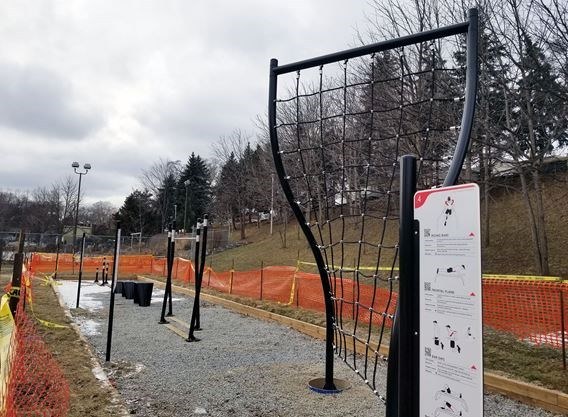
(86,167)
(186,183)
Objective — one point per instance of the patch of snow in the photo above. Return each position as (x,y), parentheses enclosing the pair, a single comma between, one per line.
(68,291)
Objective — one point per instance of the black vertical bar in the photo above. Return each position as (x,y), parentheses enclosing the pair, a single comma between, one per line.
(201,269)
(97,276)
(191,337)
(112,287)
(57,256)
(17,276)
(80,270)
(408,375)
(168,277)
(172,258)
(324,277)
(392,368)
(563,329)
(470,96)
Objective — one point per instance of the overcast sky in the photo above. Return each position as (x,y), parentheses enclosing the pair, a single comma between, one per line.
(121,83)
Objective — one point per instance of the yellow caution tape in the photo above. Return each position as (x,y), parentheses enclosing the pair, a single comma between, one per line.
(48,280)
(485,276)
(6,331)
(360,268)
(522,277)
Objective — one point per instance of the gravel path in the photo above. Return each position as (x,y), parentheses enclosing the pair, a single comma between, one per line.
(242,366)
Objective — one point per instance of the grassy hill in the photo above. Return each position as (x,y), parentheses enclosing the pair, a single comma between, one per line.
(509,252)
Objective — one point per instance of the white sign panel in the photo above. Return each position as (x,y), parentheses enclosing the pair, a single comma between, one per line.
(451,349)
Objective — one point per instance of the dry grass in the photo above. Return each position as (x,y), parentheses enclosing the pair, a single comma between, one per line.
(88,397)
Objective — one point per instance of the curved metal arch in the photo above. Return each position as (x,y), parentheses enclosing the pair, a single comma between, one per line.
(470,27)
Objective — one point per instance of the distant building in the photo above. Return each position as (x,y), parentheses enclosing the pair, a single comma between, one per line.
(67,235)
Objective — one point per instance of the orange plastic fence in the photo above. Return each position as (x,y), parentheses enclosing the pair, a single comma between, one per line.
(36,385)
(530,309)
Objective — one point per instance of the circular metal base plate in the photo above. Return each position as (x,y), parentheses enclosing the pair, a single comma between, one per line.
(317,385)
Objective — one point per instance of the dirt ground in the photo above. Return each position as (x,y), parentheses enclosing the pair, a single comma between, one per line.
(89,398)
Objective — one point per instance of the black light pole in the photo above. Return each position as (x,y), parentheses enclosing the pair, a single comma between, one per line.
(86,167)
(186,183)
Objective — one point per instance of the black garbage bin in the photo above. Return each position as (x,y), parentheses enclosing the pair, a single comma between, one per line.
(136,299)
(129,289)
(123,288)
(118,287)
(144,293)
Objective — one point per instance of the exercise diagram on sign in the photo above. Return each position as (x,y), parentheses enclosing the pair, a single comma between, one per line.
(450,301)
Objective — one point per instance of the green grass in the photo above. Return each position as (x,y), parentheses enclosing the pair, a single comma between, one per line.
(542,365)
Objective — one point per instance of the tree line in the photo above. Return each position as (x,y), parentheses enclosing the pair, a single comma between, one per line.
(521,123)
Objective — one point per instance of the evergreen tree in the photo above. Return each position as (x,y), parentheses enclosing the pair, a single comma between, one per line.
(137,214)
(194,191)
(166,200)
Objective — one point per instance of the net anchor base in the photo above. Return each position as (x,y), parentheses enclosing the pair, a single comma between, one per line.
(318,385)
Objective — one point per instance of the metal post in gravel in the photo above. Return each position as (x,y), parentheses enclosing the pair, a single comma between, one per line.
(201,269)
(112,286)
(172,257)
(168,278)
(191,337)
(80,270)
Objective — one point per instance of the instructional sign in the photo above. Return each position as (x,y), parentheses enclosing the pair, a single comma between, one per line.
(451,349)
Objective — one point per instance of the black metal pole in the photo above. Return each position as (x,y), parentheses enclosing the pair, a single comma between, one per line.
(1,255)
(195,310)
(97,276)
(57,256)
(324,277)
(168,278)
(17,275)
(76,222)
(470,96)
(172,258)
(80,270)
(201,269)
(112,286)
(408,393)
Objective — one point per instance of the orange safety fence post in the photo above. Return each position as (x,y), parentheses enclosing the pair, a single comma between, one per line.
(563,328)
(209,274)
(231,277)
(261,277)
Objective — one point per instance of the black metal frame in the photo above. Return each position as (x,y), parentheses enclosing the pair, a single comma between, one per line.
(114,278)
(470,27)
(199,262)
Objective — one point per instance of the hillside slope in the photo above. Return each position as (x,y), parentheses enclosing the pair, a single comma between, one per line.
(509,252)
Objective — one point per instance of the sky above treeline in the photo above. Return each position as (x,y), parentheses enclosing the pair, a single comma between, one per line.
(120,84)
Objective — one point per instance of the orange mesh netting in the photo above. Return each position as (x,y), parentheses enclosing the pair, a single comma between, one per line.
(528,308)
(36,385)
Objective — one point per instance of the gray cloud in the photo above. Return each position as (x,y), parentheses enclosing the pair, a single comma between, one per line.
(125,83)
(39,101)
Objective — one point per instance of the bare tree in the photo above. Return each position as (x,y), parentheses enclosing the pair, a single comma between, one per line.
(160,179)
